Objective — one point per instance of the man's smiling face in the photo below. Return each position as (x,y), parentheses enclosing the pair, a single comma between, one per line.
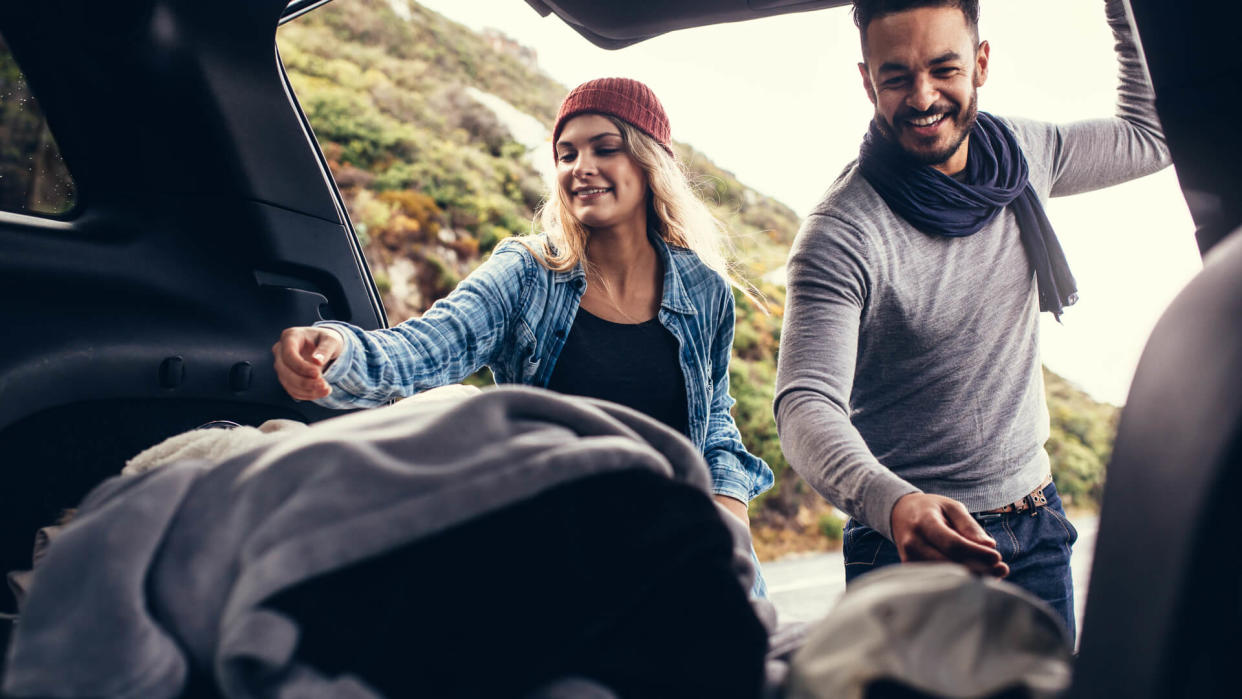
(922,72)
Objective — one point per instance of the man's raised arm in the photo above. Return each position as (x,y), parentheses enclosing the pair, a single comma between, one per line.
(1098,153)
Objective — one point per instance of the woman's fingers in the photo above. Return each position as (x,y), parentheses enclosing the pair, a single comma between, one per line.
(300,357)
(299,386)
(294,350)
(327,346)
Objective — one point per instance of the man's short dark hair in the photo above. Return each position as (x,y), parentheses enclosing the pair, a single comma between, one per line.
(866,11)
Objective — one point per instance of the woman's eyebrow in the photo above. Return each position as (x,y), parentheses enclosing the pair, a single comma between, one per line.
(593,139)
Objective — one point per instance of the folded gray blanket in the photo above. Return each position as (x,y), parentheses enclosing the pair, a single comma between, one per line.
(176,561)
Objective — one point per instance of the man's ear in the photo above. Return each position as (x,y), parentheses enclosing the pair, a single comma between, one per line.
(866,78)
(981,63)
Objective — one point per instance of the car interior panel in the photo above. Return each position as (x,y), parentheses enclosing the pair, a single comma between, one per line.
(206,220)
(614,25)
(1177,460)
(1195,67)
(1169,507)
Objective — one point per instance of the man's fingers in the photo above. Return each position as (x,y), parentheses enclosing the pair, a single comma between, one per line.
(947,545)
(936,528)
(962,522)
(990,564)
(959,548)
(961,536)
(946,539)
(920,550)
(996,569)
(954,546)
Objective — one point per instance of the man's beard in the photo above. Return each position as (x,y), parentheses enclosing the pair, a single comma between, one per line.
(963,121)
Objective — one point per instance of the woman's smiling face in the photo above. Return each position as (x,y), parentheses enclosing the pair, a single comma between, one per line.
(602,183)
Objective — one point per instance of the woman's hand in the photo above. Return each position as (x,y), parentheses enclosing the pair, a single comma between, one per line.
(736,507)
(301,356)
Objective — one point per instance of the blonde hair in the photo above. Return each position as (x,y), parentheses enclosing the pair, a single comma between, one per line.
(674,211)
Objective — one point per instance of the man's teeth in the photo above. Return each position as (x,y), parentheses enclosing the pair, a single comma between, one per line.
(927,120)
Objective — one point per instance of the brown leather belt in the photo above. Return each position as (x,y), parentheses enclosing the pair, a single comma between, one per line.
(1035,498)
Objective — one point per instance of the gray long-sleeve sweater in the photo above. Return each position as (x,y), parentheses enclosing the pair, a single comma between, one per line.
(910,362)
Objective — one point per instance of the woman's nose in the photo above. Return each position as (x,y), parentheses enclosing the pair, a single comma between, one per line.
(584,165)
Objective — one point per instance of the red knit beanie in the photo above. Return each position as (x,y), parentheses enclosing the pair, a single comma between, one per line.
(626,99)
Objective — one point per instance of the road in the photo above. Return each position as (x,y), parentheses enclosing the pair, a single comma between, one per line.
(804,588)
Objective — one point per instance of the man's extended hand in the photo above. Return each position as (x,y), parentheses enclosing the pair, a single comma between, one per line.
(936,528)
(301,355)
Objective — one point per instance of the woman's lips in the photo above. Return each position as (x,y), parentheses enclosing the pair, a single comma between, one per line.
(591,193)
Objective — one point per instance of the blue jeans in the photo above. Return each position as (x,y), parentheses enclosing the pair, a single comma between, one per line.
(760,588)
(1036,545)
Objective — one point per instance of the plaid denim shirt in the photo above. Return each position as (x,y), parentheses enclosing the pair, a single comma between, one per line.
(513,315)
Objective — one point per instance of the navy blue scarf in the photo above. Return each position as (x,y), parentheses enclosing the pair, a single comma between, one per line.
(995,177)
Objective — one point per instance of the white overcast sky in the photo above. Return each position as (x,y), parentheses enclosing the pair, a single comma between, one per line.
(779,103)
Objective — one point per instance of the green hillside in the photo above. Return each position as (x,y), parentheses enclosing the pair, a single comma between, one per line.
(1082,440)
(433,179)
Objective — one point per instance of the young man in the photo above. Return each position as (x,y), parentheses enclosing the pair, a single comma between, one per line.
(910,392)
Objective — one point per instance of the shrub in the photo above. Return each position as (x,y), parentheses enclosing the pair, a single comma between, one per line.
(831,526)
(442,277)
(746,341)
(419,208)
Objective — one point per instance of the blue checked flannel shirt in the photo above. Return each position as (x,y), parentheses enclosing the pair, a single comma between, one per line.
(512,315)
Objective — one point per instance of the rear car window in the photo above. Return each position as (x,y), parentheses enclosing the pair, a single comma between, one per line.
(33,177)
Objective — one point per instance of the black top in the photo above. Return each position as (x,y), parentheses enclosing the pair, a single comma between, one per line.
(636,365)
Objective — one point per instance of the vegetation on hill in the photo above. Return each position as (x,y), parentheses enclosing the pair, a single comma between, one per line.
(433,179)
(33,177)
(1082,441)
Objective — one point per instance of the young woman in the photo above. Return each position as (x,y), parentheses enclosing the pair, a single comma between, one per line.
(624,296)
